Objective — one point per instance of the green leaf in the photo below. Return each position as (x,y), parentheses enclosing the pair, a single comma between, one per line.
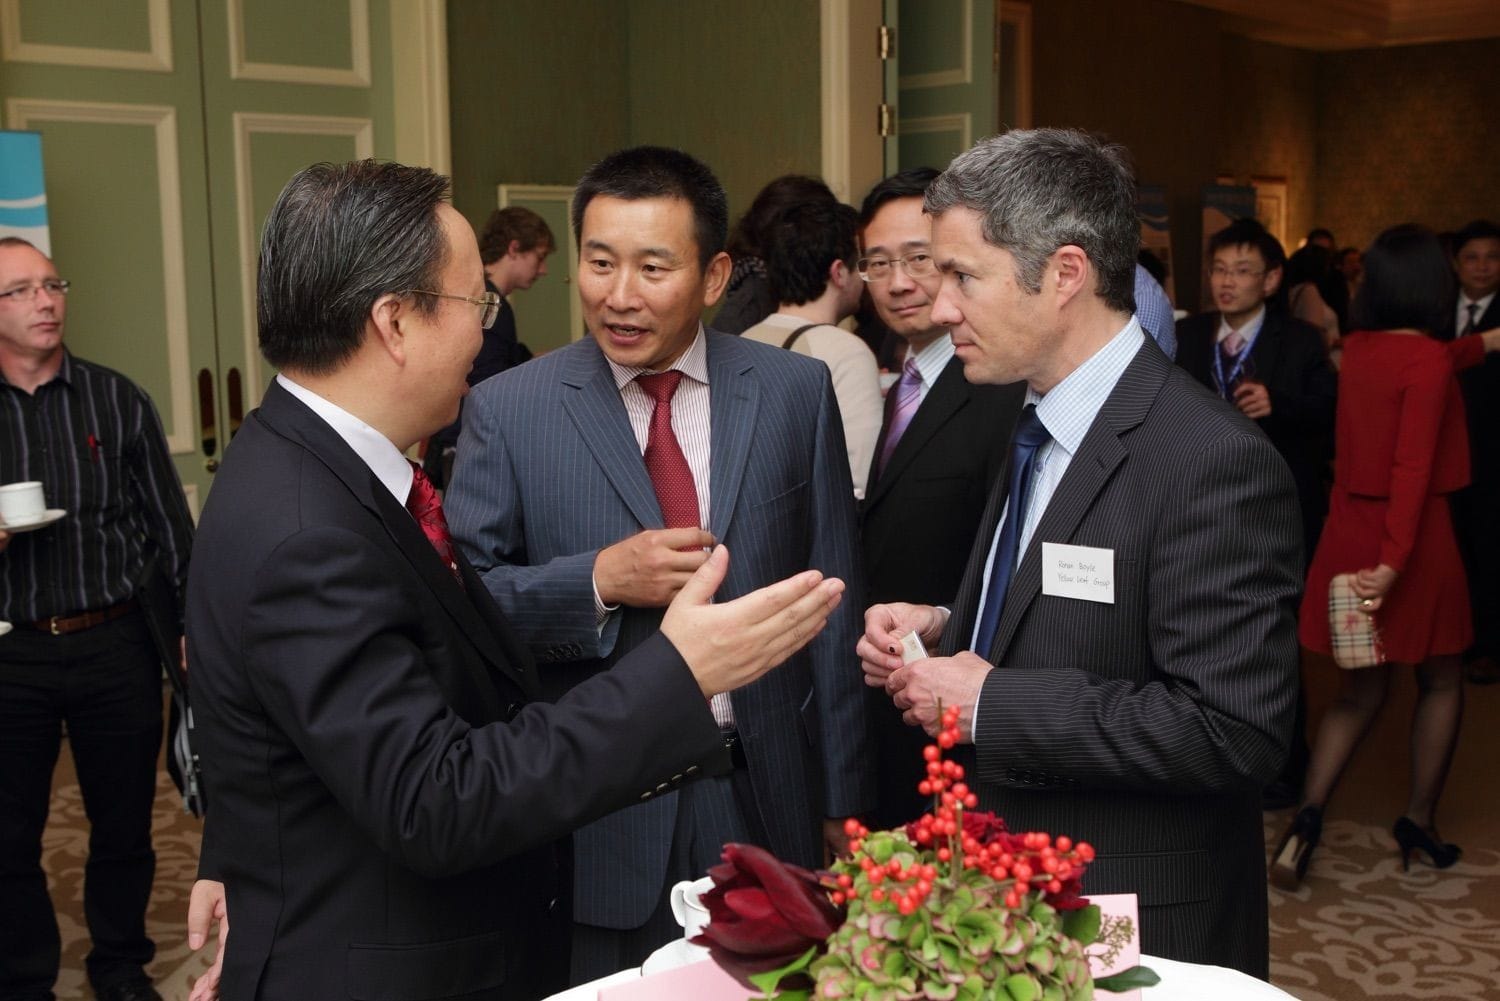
(1128,980)
(1021,987)
(1082,924)
(768,979)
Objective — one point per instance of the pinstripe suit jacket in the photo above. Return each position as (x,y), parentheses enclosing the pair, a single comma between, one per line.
(548,472)
(1149,725)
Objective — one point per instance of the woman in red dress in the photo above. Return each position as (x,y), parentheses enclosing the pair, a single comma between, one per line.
(1400,448)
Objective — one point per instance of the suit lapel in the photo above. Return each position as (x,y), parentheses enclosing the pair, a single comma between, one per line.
(736,402)
(1267,347)
(948,395)
(1099,455)
(592,400)
(289,417)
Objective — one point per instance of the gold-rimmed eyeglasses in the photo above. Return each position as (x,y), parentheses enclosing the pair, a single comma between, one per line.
(489,302)
(878,269)
(54,287)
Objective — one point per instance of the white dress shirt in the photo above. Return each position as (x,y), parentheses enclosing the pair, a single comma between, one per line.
(1461,316)
(374,449)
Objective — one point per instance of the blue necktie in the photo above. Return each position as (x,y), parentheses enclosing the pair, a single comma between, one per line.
(1030,437)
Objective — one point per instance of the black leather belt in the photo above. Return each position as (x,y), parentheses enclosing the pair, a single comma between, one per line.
(62,625)
(736,748)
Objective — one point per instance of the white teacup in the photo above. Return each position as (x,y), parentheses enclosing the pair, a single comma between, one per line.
(688,908)
(22,502)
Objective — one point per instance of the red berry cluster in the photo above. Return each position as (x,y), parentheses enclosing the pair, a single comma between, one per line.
(1034,860)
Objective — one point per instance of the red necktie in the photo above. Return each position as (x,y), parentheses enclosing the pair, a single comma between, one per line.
(665,463)
(425,506)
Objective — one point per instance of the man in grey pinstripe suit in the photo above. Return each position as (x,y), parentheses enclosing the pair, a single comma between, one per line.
(552,500)
(1141,706)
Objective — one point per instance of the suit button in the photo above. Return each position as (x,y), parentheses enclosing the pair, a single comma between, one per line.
(647,795)
(676,779)
(663,788)
(691,770)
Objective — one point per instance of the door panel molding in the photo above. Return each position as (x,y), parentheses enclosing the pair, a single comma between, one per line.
(157,59)
(419,68)
(960,74)
(246,126)
(357,75)
(514,194)
(23,113)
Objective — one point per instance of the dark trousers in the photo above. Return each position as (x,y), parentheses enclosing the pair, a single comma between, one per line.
(105,684)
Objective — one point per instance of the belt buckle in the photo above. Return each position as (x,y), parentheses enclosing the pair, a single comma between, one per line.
(52,626)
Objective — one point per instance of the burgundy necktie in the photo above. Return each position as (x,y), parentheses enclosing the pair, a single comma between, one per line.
(665,463)
(425,506)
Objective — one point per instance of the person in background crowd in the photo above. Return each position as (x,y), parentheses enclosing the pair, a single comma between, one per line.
(941,445)
(514,247)
(80,654)
(747,297)
(809,256)
(1308,272)
(1476,258)
(1348,269)
(1402,449)
(1155,311)
(1125,708)
(589,484)
(1320,237)
(387,785)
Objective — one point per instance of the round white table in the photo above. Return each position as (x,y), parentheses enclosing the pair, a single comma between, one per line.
(1179,982)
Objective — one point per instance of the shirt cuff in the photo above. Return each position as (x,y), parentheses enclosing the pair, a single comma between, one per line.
(602,611)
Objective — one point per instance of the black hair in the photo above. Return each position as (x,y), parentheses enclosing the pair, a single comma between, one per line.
(910,183)
(750,235)
(1408,283)
(1249,233)
(658,172)
(1479,229)
(804,241)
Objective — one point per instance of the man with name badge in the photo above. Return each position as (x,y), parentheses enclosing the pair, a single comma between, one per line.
(1122,648)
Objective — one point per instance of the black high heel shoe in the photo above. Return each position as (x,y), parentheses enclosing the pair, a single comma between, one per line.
(1289,865)
(1410,837)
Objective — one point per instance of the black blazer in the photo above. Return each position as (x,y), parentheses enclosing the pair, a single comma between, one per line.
(1291,360)
(917,527)
(1148,726)
(385,796)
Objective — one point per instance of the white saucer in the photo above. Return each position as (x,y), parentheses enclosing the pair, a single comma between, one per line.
(5,627)
(42,520)
(672,955)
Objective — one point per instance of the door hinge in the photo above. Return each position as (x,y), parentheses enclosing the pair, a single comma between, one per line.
(886,124)
(885,43)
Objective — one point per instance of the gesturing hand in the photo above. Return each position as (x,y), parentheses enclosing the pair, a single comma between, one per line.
(728,646)
(649,568)
(919,688)
(1253,399)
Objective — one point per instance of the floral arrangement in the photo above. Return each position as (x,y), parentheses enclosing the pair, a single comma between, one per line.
(953,906)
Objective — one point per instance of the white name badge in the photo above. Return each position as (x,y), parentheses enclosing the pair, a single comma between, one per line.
(1078,572)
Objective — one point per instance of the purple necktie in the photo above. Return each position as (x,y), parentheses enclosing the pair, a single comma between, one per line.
(901,407)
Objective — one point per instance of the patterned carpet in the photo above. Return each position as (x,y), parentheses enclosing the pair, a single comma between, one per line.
(1358,928)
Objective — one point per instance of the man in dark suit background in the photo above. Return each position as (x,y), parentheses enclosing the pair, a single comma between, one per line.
(386,795)
(941,444)
(1122,649)
(1270,365)
(586,486)
(1476,259)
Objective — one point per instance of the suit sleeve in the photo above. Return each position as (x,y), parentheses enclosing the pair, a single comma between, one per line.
(1222,582)
(848,775)
(337,654)
(1303,402)
(1424,397)
(551,605)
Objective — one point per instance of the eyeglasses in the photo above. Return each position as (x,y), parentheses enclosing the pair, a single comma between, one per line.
(1238,274)
(54,287)
(878,269)
(490,301)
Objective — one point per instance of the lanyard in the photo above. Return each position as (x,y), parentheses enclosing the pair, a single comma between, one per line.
(1222,381)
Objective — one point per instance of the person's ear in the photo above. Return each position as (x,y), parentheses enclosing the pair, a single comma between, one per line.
(387,315)
(716,277)
(1070,270)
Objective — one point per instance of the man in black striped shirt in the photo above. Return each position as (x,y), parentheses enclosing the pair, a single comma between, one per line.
(79,651)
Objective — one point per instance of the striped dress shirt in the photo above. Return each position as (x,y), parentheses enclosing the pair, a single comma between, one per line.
(93,439)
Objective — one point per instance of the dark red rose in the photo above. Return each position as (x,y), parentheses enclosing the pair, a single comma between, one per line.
(983,827)
(761,908)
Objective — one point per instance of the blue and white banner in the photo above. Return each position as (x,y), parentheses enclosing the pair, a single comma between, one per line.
(23,192)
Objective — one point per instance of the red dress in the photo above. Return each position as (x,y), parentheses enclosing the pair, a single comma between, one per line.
(1400,448)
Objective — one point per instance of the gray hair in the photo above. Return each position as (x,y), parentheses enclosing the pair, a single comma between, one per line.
(1041,189)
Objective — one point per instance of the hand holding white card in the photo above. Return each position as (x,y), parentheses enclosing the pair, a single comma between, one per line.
(912,648)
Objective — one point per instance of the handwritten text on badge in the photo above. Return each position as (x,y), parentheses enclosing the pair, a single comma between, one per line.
(1078,572)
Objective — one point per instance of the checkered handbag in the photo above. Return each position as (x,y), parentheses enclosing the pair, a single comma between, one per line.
(1352,630)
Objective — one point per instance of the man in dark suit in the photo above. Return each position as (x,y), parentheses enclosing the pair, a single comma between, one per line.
(1123,647)
(1270,365)
(940,446)
(1476,259)
(583,476)
(386,795)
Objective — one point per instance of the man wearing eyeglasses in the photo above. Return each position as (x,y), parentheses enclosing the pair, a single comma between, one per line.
(79,652)
(941,445)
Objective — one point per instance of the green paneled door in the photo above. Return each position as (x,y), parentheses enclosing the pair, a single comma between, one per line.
(168,127)
(548,314)
(948,88)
